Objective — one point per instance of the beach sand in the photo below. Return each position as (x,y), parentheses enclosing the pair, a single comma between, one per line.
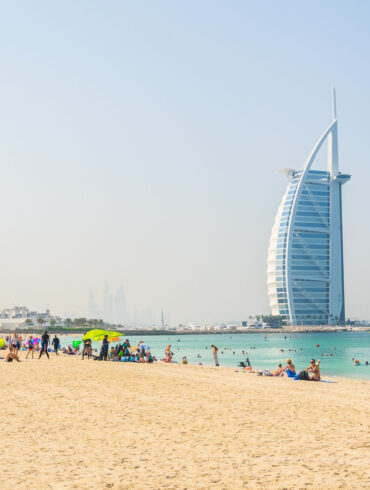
(67,423)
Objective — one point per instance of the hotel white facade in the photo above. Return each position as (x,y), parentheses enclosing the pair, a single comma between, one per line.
(305,258)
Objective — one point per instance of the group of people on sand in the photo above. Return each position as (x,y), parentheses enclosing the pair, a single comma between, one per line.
(15,343)
(312,371)
(125,352)
(121,352)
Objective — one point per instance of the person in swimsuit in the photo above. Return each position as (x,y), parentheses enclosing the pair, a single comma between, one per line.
(44,344)
(30,347)
(214,353)
(290,369)
(168,354)
(314,368)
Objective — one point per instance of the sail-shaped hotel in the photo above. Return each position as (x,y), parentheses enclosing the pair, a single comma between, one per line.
(305,257)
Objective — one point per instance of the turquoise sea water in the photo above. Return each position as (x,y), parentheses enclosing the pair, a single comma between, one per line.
(266,353)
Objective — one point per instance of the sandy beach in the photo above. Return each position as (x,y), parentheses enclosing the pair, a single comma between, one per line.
(67,423)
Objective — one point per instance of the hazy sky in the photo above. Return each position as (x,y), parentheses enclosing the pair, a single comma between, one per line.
(141,142)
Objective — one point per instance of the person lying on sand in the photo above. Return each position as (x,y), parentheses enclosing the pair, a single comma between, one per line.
(314,368)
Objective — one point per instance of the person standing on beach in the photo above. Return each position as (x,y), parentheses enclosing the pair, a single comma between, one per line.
(44,344)
(104,348)
(30,346)
(13,345)
(87,349)
(168,354)
(214,353)
(56,344)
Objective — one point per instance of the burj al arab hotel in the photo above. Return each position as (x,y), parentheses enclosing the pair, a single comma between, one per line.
(305,258)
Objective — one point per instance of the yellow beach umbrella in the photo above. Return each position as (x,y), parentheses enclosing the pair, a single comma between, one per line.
(99,334)
(2,343)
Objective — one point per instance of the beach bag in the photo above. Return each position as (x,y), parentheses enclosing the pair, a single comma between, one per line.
(304,375)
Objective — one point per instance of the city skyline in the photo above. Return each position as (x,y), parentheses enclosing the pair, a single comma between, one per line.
(113,308)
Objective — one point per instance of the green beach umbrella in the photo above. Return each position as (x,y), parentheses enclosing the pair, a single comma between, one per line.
(76,343)
(99,334)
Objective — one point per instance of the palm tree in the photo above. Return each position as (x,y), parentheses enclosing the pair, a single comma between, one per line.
(29,322)
(40,321)
(80,322)
(52,322)
(67,322)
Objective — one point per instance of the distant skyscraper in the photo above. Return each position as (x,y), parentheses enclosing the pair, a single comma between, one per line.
(108,305)
(120,308)
(305,258)
(93,307)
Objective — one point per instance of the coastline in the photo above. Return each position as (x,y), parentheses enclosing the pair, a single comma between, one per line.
(95,424)
(337,352)
(143,331)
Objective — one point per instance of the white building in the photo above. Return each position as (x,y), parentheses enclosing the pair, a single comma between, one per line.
(305,258)
(21,317)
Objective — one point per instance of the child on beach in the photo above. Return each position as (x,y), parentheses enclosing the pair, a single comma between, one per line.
(30,347)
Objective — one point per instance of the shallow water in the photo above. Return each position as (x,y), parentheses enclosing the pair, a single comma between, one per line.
(266,353)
